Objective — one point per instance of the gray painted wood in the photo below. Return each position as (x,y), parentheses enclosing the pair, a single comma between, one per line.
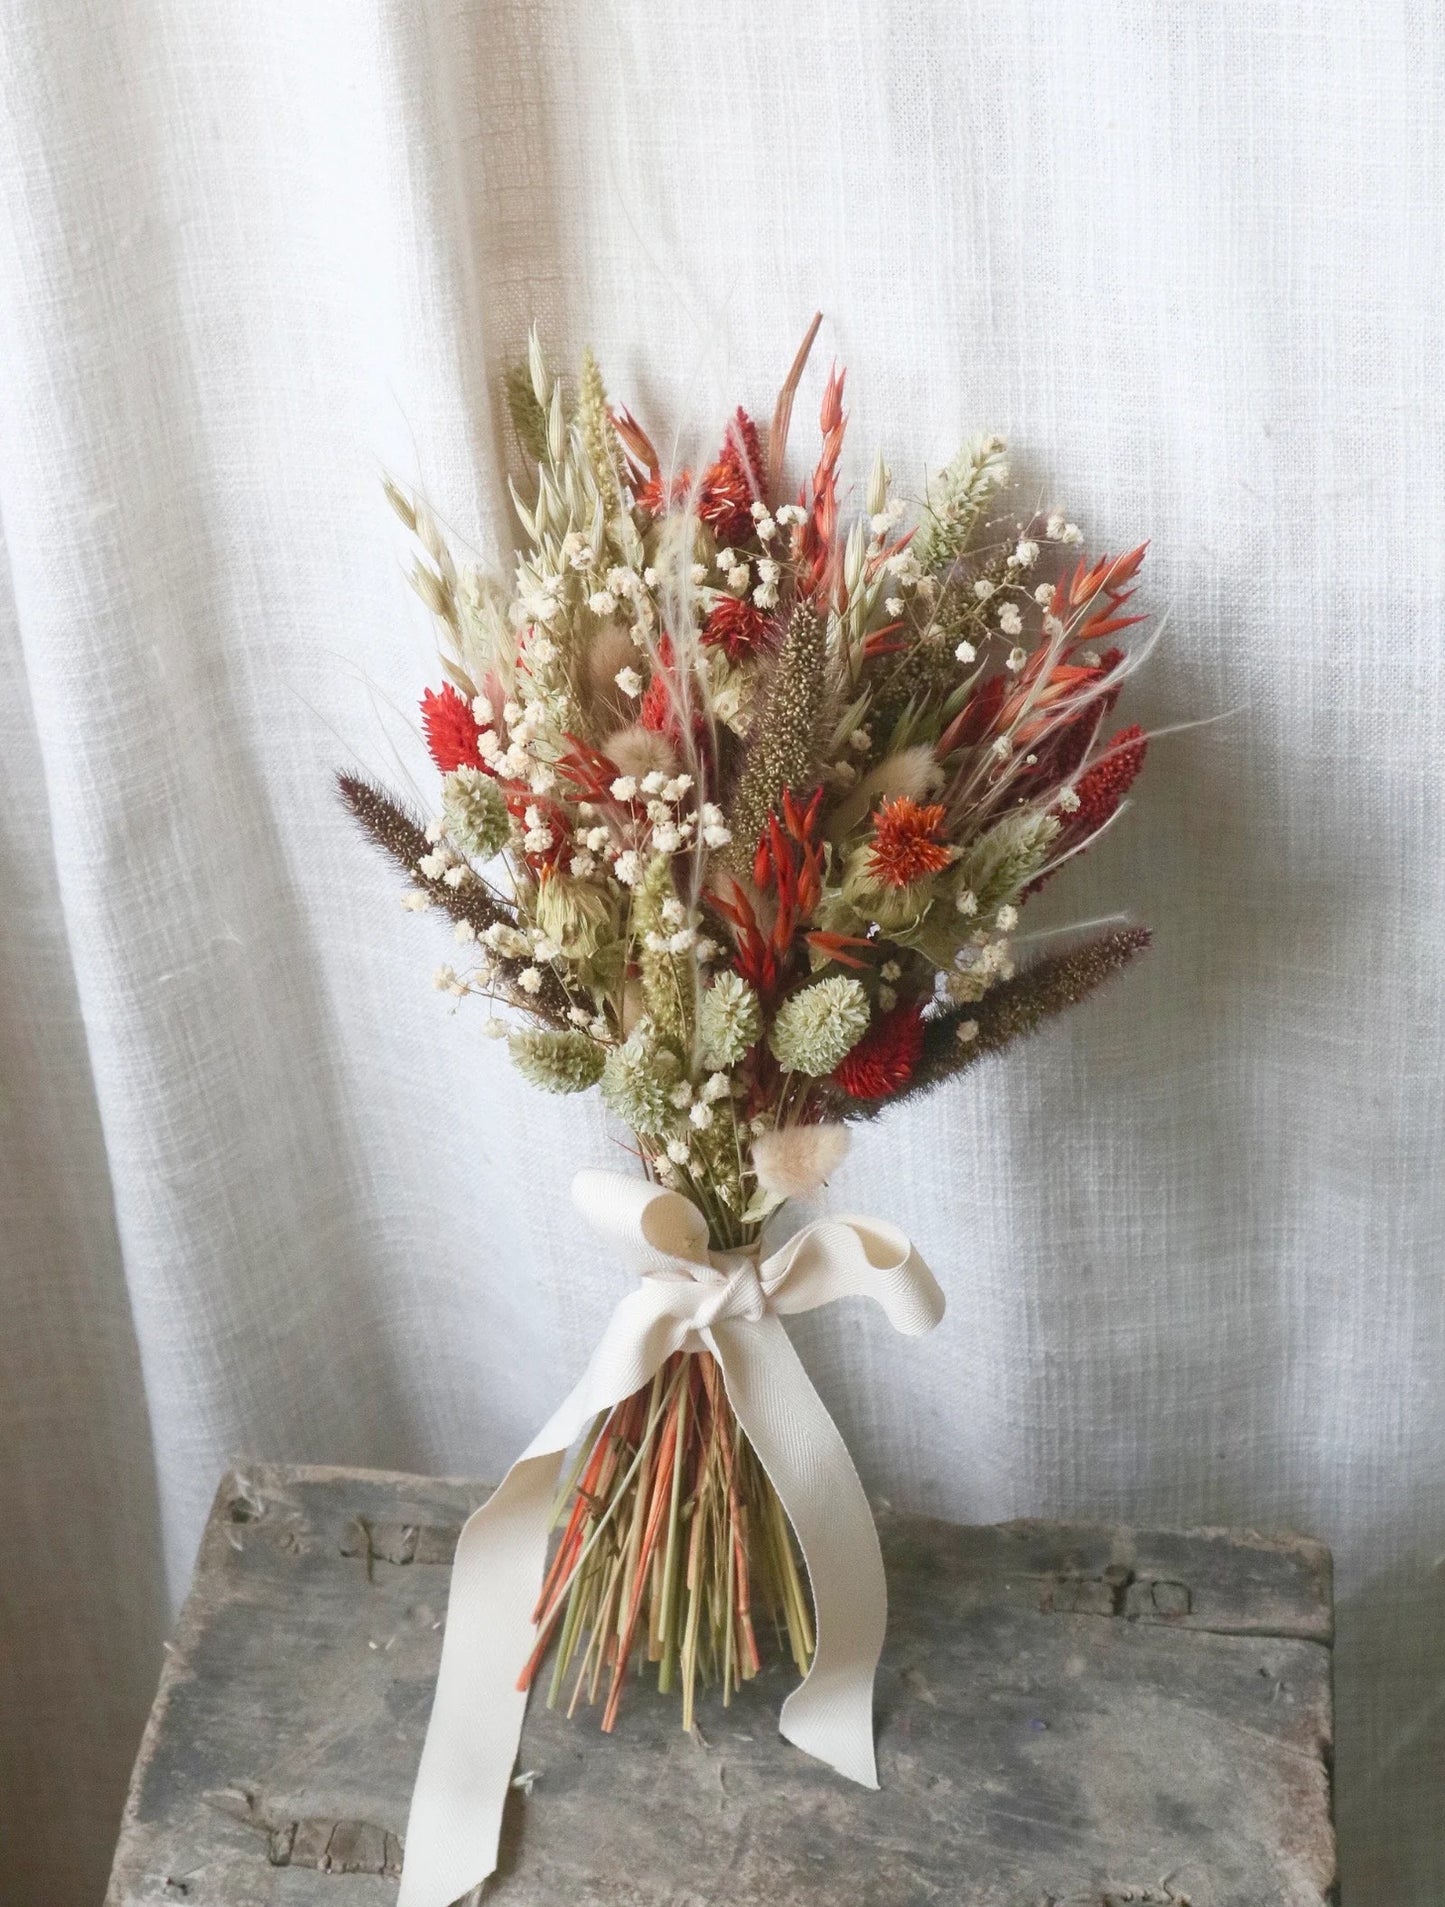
(1068,1717)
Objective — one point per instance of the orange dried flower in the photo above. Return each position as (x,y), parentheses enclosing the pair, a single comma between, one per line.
(906,842)
(659,494)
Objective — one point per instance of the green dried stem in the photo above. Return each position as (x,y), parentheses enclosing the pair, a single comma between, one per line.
(398,832)
(529,420)
(599,439)
(1007,1012)
(675,1552)
(784,750)
(956,501)
(669,981)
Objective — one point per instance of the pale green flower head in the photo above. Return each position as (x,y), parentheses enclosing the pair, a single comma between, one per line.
(475,812)
(816,1027)
(581,918)
(563,1062)
(1003,862)
(729,1021)
(638,1078)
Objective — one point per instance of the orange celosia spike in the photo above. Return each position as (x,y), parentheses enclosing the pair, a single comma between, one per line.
(778,848)
(1096,628)
(638,444)
(810,881)
(835,947)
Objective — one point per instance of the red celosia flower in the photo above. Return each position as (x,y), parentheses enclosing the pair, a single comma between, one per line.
(737,628)
(882,1062)
(732,485)
(906,843)
(655,709)
(660,709)
(657,495)
(1105,785)
(451,730)
(1065,751)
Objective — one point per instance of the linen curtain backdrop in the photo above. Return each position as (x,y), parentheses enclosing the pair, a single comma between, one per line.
(265,1193)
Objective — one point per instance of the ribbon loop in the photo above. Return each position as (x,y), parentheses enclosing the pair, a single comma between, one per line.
(730,1306)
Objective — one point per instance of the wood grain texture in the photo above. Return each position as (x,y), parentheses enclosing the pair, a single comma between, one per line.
(1068,1717)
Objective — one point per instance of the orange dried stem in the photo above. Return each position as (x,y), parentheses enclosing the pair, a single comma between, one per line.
(672,1532)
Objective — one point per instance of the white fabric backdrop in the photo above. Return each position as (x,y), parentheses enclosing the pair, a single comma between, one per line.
(262,1192)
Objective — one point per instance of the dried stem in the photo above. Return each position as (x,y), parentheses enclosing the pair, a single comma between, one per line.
(670,1535)
(783,410)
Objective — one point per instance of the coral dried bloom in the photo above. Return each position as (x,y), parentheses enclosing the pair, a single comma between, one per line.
(659,494)
(451,730)
(882,1062)
(906,842)
(737,628)
(732,485)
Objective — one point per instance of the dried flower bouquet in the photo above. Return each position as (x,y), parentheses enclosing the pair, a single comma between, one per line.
(740,805)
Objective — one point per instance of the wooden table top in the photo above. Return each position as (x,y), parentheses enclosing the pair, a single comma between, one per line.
(1067,1717)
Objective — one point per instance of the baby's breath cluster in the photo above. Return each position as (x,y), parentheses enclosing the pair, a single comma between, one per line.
(743,796)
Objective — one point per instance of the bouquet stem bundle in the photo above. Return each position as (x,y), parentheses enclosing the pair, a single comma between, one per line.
(675,1550)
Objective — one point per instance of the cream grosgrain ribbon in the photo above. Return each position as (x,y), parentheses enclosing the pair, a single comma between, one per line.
(687,1300)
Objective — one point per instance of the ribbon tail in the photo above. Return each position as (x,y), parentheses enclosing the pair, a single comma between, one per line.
(830,1715)
(455,1824)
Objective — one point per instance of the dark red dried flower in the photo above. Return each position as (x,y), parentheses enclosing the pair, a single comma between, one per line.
(655,711)
(1066,751)
(906,844)
(1104,786)
(732,485)
(451,730)
(737,628)
(882,1062)
(979,713)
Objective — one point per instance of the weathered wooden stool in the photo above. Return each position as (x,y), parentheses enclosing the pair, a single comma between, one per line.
(1084,1716)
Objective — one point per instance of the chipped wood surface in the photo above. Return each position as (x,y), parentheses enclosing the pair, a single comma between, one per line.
(1068,1717)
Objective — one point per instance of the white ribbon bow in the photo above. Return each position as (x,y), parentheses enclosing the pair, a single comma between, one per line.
(687,1300)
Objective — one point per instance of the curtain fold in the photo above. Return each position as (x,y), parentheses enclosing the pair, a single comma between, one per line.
(264,1193)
